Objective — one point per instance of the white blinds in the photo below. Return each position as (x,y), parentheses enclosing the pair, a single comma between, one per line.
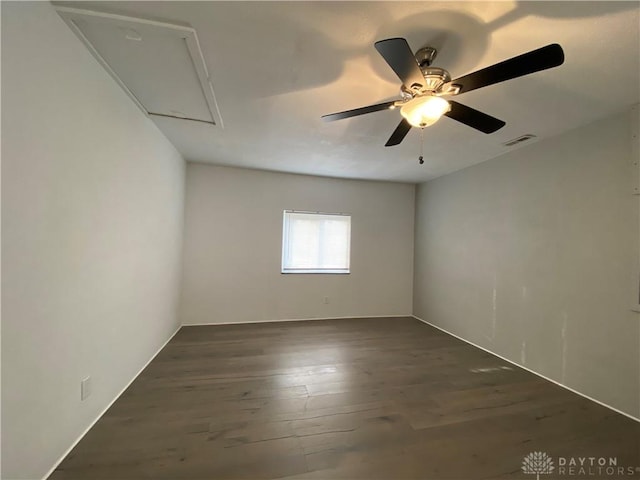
(315,243)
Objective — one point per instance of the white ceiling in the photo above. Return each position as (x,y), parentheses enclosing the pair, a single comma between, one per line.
(276,67)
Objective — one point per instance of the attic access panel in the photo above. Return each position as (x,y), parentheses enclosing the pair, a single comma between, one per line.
(159,65)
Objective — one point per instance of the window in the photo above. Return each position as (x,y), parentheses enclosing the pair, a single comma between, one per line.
(315,242)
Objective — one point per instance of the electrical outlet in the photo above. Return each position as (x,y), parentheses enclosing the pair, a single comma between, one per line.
(325,300)
(85,388)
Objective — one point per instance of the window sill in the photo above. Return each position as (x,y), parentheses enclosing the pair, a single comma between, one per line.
(315,272)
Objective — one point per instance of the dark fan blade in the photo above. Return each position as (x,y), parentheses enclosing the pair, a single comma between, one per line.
(474,118)
(534,61)
(397,53)
(399,133)
(357,111)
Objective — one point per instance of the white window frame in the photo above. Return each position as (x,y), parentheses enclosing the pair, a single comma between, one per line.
(287,269)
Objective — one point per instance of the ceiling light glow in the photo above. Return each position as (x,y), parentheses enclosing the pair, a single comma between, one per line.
(425,110)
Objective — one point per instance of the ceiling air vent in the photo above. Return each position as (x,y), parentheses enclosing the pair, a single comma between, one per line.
(519,140)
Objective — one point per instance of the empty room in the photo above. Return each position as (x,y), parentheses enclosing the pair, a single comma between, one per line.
(320,240)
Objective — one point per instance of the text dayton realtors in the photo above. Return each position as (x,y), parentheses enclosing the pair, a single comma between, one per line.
(592,466)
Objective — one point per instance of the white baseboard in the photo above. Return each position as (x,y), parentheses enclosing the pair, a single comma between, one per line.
(62,457)
(295,320)
(529,370)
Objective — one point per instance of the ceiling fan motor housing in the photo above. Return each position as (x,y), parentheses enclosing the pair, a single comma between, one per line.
(434,77)
(434,80)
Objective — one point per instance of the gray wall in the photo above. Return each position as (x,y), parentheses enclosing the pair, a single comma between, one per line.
(92,212)
(233,244)
(532,255)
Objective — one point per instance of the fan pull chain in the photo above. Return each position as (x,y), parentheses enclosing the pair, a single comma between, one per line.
(420,158)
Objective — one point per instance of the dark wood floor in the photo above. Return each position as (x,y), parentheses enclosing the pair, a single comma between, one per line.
(351,399)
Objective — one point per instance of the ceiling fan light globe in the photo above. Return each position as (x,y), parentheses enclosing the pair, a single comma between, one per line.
(424,111)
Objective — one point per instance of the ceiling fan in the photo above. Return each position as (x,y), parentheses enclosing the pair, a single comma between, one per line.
(423,86)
